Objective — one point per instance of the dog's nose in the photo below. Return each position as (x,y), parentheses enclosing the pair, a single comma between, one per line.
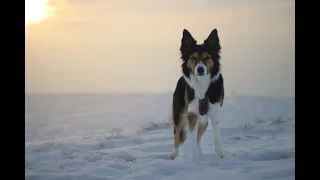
(200,70)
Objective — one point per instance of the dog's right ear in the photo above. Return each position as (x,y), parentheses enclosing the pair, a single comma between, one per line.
(213,38)
(187,40)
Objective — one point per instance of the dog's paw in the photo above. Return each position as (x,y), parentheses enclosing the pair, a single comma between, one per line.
(219,153)
(196,155)
(174,154)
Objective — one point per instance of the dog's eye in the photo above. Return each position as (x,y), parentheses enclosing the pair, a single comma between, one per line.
(206,58)
(193,58)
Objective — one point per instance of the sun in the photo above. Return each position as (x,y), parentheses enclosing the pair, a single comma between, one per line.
(37,10)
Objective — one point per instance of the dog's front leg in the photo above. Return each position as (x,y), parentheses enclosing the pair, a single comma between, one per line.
(215,128)
(193,135)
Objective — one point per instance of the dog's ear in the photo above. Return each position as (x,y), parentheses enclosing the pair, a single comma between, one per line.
(212,39)
(187,40)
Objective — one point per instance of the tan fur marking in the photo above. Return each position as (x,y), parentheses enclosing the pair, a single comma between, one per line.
(209,63)
(201,130)
(191,64)
(172,120)
(192,120)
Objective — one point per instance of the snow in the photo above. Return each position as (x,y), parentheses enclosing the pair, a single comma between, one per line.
(128,136)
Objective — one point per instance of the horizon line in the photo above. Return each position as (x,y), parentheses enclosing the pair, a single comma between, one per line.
(145,93)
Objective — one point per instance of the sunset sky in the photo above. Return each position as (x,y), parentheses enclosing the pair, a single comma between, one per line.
(133,46)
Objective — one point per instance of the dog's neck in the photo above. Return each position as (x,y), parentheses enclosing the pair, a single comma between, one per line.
(200,84)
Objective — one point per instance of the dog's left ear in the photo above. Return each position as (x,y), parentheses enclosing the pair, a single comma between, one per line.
(212,39)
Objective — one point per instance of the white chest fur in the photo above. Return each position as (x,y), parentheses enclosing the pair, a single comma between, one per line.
(199,84)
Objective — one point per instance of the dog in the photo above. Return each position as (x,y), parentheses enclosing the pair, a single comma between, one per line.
(198,95)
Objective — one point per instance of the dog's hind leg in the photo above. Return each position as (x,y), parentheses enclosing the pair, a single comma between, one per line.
(178,133)
(176,142)
(177,112)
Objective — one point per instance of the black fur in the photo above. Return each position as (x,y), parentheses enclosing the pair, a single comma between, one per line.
(178,100)
(216,91)
(190,92)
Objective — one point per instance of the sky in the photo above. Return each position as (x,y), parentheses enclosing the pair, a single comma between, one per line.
(123,46)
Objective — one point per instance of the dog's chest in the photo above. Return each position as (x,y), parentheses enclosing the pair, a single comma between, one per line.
(203,106)
(194,106)
(199,85)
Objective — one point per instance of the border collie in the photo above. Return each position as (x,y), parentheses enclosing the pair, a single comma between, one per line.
(198,95)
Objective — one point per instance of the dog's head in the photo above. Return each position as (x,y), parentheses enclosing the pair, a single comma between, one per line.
(202,59)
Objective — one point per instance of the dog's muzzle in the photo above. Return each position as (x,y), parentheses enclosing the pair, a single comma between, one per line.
(200,69)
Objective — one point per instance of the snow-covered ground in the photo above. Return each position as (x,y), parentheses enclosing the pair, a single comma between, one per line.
(120,137)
